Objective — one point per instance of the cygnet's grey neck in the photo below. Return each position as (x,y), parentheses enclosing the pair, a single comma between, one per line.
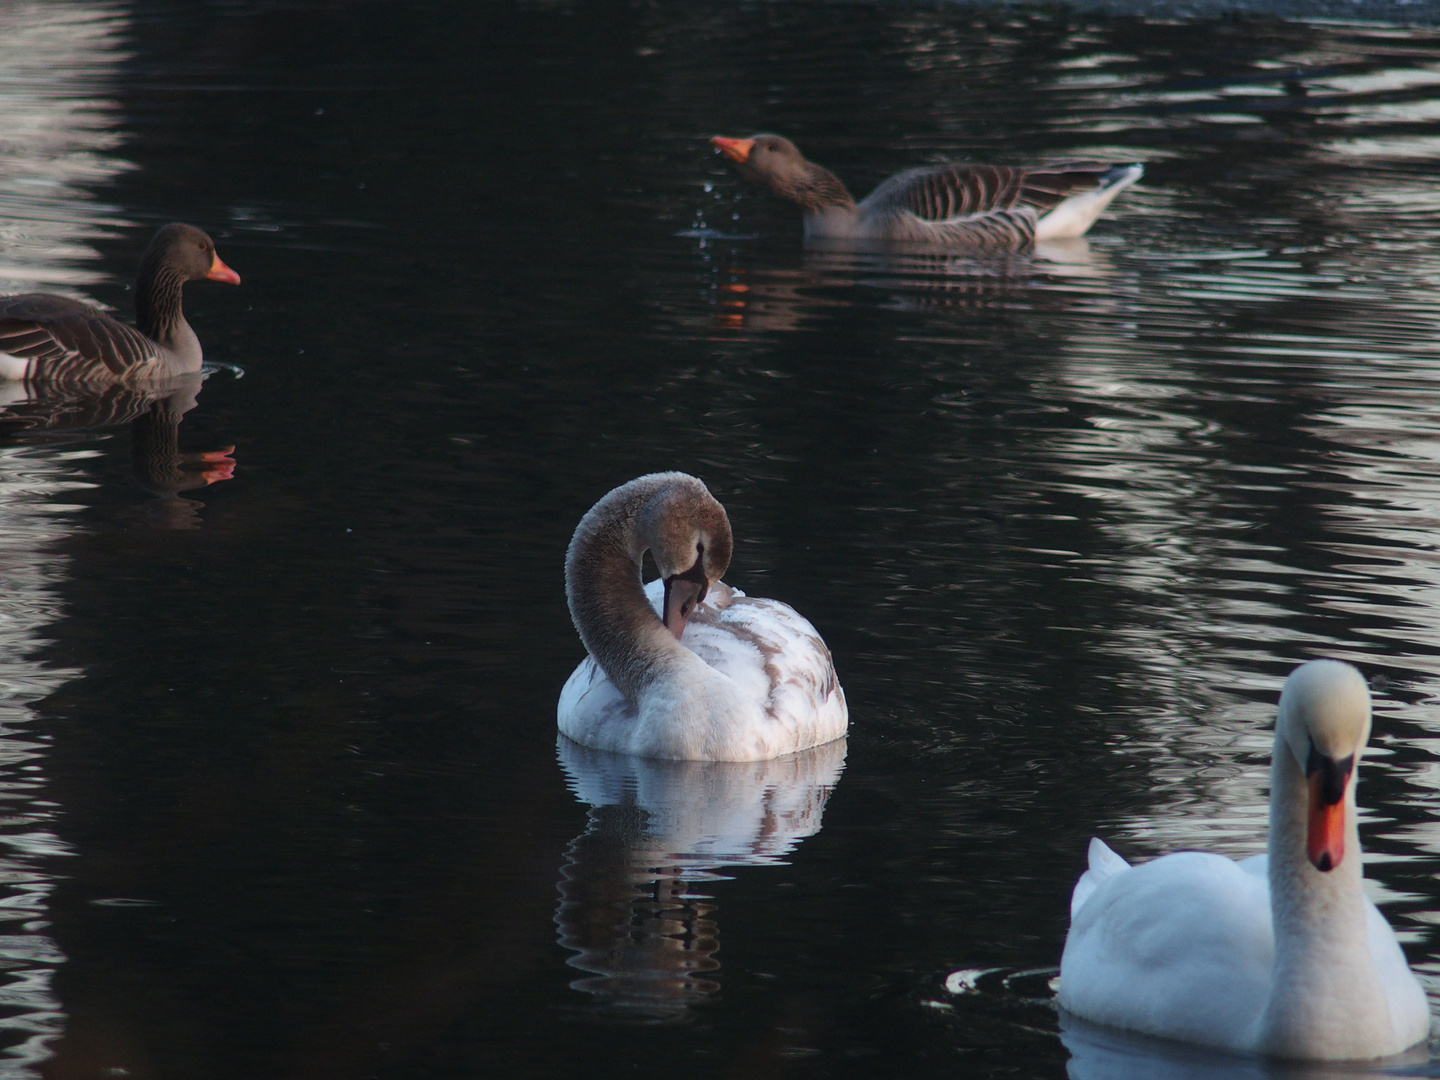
(606,593)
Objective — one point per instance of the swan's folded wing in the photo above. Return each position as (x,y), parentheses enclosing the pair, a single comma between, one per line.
(67,340)
(591,709)
(1181,947)
(1104,864)
(1409,1011)
(778,659)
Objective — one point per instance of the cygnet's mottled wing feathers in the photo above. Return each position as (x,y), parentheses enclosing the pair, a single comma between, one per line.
(590,693)
(776,656)
(68,340)
(766,647)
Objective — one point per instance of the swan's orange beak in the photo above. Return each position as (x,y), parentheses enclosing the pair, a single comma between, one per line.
(1325,834)
(737,150)
(220,272)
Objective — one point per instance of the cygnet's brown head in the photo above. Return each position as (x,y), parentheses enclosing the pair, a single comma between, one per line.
(775,163)
(689,538)
(186,252)
(1324,721)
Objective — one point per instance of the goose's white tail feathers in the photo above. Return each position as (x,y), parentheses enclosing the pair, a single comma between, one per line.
(1104,864)
(1075,215)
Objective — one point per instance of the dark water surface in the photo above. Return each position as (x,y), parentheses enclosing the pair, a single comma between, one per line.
(282,793)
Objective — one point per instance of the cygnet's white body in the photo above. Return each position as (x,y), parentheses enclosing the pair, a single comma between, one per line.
(744,680)
(1271,955)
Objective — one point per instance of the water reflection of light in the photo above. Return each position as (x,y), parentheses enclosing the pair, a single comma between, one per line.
(57,137)
(1210,597)
(31,519)
(629,909)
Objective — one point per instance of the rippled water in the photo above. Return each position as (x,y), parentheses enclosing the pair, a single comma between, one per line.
(277,738)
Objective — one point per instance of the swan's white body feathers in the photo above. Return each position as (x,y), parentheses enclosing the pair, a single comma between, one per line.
(757,683)
(1281,954)
(1201,973)
(1183,946)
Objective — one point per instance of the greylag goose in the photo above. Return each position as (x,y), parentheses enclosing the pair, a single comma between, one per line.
(982,206)
(1281,954)
(687,668)
(48,338)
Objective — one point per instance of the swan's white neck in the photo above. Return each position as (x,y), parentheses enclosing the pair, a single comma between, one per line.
(1324,986)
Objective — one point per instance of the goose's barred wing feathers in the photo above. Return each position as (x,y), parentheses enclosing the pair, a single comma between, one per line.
(67,339)
(946,192)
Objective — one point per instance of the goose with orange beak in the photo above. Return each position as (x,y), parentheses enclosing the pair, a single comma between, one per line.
(1281,954)
(1004,207)
(49,339)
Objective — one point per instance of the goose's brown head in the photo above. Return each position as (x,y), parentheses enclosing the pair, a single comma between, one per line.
(775,163)
(189,253)
(771,161)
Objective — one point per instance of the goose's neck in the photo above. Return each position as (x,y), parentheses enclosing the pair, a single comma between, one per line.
(1323,979)
(157,306)
(607,598)
(817,190)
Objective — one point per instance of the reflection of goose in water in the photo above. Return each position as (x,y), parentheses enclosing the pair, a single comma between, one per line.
(46,338)
(628,909)
(49,411)
(983,206)
(770,298)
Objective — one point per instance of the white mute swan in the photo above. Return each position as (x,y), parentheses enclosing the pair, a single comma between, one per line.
(1280,954)
(688,668)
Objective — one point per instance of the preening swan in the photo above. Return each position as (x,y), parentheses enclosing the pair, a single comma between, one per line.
(687,668)
(1280,954)
(975,206)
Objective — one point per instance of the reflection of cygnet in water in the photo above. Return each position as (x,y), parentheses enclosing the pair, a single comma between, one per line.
(154,415)
(627,907)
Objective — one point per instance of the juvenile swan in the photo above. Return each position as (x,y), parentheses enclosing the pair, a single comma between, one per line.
(688,668)
(1280,954)
(978,206)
